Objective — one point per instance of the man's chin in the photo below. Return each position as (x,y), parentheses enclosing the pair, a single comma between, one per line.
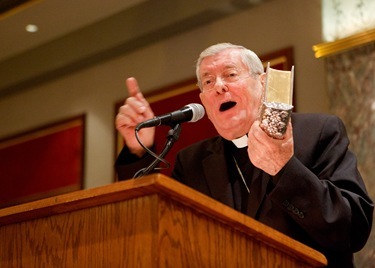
(231,133)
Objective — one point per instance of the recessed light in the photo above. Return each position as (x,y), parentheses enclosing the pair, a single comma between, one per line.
(31,28)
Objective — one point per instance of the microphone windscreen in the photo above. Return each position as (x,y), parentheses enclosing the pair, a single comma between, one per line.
(198,111)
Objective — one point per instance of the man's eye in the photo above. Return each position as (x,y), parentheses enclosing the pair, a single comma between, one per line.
(231,76)
(207,82)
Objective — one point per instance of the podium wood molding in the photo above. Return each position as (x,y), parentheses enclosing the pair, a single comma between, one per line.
(147,222)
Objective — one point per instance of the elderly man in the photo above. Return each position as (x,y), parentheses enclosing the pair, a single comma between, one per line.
(305,185)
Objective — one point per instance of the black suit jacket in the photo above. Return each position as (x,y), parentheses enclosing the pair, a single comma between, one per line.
(318,198)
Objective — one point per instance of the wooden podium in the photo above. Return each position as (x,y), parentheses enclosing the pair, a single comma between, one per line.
(148,222)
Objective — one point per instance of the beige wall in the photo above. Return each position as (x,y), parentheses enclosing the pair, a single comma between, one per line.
(269,27)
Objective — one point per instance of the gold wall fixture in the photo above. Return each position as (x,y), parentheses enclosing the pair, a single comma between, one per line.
(330,48)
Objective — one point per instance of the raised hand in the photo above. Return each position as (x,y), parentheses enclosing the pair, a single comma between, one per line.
(135,110)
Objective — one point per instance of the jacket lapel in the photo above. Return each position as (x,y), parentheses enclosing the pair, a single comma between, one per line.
(216,173)
(258,191)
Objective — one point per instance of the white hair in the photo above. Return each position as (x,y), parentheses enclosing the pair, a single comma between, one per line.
(249,58)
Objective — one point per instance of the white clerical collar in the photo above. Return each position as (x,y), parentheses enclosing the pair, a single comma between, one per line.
(240,142)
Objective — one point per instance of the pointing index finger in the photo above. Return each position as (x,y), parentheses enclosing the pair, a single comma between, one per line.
(135,92)
(132,85)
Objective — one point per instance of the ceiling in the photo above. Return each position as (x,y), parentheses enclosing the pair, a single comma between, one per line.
(76,33)
(54,18)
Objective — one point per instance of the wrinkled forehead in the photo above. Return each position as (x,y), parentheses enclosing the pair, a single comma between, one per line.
(226,59)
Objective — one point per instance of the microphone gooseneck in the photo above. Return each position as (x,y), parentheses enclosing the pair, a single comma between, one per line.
(189,113)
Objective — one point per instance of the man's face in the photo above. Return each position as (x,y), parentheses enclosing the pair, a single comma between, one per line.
(230,95)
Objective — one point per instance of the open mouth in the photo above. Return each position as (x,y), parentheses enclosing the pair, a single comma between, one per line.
(227,105)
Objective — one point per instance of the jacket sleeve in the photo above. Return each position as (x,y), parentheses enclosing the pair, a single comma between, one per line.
(128,164)
(324,192)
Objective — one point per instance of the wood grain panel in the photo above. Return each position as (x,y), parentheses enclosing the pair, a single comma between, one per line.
(114,235)
(197,240)
(148,222)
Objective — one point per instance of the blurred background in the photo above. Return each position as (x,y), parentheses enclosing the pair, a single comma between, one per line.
(61,59)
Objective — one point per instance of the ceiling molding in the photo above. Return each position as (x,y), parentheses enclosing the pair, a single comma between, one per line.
(128,30)
(339,46)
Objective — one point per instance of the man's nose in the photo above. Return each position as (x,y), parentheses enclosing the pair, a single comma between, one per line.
(220,85)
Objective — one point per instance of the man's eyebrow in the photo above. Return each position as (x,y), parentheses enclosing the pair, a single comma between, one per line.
(226,67)
(206,74)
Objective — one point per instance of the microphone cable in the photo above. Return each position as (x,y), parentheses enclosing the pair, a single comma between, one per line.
(172,137)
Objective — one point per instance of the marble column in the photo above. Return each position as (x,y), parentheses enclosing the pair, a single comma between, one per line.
(351,90)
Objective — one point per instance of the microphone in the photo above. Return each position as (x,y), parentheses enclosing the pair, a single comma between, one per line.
(189,113)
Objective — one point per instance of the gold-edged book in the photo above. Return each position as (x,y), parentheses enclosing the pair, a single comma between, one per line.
(278,102)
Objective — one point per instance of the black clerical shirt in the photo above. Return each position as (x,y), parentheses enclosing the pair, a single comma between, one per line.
(240,173)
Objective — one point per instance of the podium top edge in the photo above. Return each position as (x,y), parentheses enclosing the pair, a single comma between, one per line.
(164,186)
